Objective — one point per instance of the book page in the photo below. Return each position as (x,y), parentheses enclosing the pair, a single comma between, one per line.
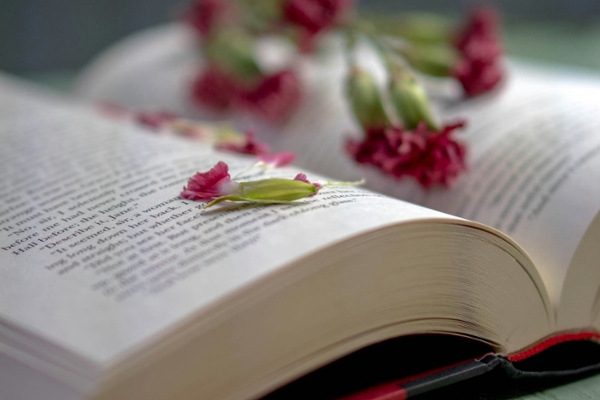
(534,162)
(535,167)
(97,251)
(532,145)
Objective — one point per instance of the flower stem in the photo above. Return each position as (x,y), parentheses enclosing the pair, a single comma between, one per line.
(354,183)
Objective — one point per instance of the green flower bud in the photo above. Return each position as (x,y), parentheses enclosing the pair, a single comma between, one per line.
(270,191)
(365,99)
(410,100)
(232,50)
(435,60)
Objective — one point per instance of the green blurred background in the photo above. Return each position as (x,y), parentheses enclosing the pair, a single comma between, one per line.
(50,40)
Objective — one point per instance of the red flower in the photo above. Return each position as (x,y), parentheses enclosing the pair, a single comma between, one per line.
(210,185)
(480,69)
(315,16)
(273,98)
(477,77)
(204,15)
(482,49)
(432,158)
(482,22)
(214,89)
(250,145)
(155,119)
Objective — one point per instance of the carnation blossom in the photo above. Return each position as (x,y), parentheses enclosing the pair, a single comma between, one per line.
(210,185)
(482,22)
(277,159)
(249,145)
(482,49)
(215,89)
(273,98)
(216,186)
(430,157)
(314,17)
(204,15)
(477,78)
(480,69)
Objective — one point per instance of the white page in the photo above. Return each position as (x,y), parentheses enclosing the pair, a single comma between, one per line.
(533,164)
(97,253)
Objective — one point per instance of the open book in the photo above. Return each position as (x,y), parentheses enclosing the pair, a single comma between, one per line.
(113,287)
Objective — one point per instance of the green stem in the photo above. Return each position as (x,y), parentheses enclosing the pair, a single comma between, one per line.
(355,183)
(250,168)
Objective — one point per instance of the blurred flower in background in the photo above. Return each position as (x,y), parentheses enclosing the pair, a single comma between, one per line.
(394,118)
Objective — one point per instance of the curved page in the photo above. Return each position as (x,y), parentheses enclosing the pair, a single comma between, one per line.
(98,253)
(534,151)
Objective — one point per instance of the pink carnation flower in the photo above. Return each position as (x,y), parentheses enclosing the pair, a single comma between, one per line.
(482,49)
(278,159)
(315,17)
(217,186)
(480,69)
(273,98)
(477,77)
(432,158)
(204,15)
(210,185)
(482,22)
(214,89)
(250,145)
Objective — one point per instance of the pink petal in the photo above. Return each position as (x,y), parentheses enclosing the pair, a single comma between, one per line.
(209,185)
(204,15)
(249,146)
(431,158)
(214,89)
(155,119)
(315,16)
(273,98)
(303,178)
(278,159)
(480,68)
